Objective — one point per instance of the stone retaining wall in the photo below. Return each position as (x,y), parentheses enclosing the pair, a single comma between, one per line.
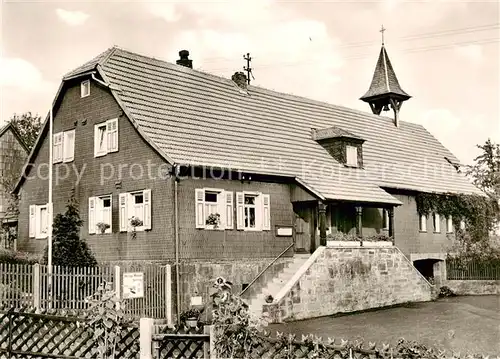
(473,287)
(341,280)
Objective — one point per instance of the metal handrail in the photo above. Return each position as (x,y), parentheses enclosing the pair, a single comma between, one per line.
(267,267)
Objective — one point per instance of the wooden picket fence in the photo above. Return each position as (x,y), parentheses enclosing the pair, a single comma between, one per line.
(28,286)
(26,333)
(473,270)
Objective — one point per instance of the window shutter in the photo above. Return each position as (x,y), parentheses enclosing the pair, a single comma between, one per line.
(112,133)
(96,141)
(229,210)
(108,216)
(240,209)
(147,208)
(199,203)
(69,146)
(57,147)
(266,212)
(32,225)
(92,215)
(123,212)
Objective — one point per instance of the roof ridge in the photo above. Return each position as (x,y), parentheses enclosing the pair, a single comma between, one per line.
(249,87)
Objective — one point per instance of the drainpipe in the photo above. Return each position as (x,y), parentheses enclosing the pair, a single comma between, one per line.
(176,228)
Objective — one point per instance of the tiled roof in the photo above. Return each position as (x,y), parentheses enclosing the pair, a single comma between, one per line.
(384,79)
(201,119)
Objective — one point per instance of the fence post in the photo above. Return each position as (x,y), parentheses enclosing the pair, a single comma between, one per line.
(146,338)
(117,281)
(168,294)
(210,329)
(36,287)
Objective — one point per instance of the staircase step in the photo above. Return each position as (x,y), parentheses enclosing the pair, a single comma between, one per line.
(273,287)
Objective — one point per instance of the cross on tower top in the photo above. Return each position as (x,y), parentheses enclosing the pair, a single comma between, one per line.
(382,30)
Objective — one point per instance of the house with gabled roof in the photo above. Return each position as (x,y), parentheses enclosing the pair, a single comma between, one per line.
(13,153)
(225,177)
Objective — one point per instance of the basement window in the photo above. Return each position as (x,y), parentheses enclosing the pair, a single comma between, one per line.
(85,88)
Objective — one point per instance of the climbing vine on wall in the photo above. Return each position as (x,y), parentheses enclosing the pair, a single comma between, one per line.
(479,213)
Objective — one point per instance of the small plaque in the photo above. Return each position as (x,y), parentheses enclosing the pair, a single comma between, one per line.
(284,231)
(133,285)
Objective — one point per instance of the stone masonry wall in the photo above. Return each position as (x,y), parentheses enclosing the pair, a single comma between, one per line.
(197,277)
(345,280)
(474,287)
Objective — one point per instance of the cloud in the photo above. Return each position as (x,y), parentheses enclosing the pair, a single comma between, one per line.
(19,73)
(164,10)
(73,18)
(473,53)
(290,53)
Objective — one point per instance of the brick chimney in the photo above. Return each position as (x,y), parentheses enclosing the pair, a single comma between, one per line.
(184,61)
(240,79)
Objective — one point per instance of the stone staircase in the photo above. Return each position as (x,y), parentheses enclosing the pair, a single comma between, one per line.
(256,302)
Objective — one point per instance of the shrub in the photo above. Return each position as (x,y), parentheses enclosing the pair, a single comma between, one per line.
(10,256)
(444,291)
(68,249)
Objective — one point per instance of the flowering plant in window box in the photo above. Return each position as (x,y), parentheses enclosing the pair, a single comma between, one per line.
(135,222)
(102,227)
(213,220)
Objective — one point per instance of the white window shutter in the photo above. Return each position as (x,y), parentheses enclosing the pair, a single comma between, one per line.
(96,141)
(32,224)
(240,210)
(112,133)
(199,203)
(229,210)
(147,208)
(108,217)
(266,212)
(57,147)
(92,215)
(123,212)
(69,146)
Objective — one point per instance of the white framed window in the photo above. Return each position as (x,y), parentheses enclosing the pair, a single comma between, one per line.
(63,146)
(39,221)
(106,137)
(449,224)
(211,202)
(351,156)
(135,206)
(436,222)
(85,88)
(423,223)
(100,214)
(253,211)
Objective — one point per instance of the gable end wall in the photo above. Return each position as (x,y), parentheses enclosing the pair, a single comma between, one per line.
(82,114)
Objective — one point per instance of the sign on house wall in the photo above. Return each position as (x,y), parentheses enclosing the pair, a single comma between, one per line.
(133,285)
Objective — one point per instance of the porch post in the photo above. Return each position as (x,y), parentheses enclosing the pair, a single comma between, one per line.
(322,223)
(359,221)
(391,223)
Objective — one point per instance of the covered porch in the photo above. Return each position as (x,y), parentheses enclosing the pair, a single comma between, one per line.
(318,221)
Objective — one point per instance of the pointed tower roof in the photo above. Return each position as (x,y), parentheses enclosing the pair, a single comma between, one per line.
(384,81)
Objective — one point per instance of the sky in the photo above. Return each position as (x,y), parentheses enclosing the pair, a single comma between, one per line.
(445,53)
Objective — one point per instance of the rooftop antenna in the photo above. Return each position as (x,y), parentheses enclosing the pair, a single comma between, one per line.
(247,68)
